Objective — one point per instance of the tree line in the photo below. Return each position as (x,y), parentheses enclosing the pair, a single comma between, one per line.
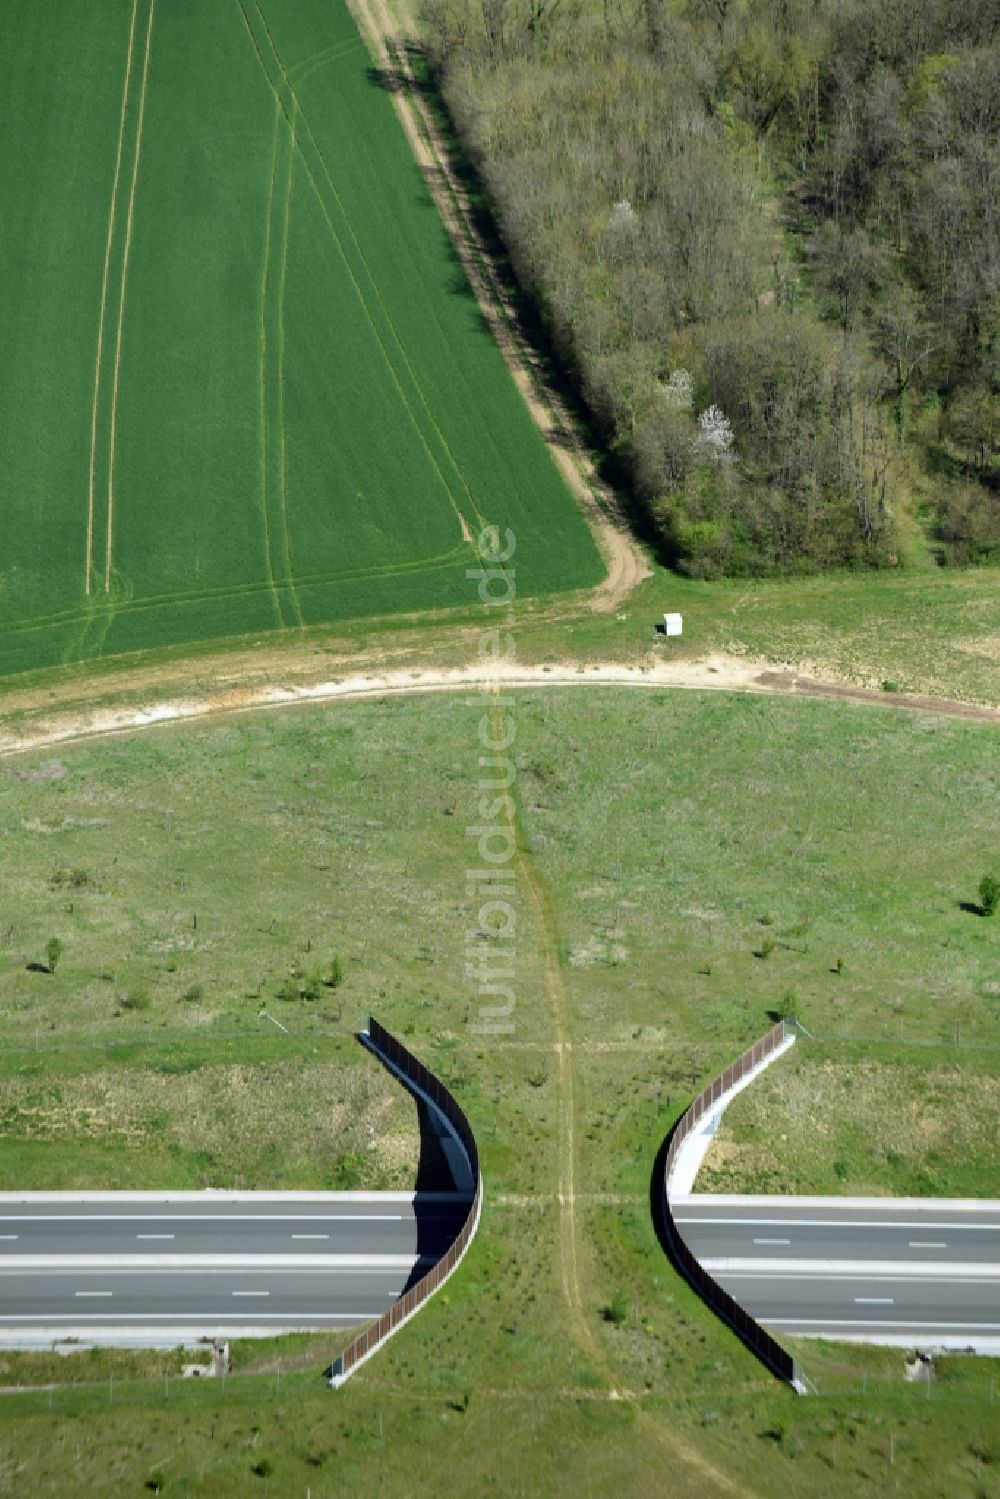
(763,239)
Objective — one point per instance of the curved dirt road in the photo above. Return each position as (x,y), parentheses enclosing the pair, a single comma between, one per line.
(50,728)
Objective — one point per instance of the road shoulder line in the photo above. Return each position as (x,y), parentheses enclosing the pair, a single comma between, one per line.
(894,1205)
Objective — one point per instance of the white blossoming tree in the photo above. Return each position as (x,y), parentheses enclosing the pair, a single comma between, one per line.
(623,217)
(716,434)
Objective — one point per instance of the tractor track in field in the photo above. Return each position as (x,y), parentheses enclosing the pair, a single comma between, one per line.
(272,369)
(623,557)
(264,282)
(374,296)
(126,255)
(282,444)
(112,218)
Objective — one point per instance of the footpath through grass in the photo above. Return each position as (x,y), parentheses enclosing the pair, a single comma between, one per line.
(672,834)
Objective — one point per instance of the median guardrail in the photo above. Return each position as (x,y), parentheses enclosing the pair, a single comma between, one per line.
(423,1082)
(747,1328)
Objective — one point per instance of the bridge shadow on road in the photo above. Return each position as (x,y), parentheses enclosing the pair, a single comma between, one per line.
(438,1222)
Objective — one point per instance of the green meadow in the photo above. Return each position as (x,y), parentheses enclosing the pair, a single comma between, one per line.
(709,854)
(688,861)
(246,386)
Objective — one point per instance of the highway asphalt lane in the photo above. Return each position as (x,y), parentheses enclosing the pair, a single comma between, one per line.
(926,1270)
(216,1262)
(828,1304)
(789,1230)
(213,1298)
(338,1226)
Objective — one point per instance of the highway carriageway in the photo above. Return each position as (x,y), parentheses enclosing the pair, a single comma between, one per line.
(919,1271)
(216,1261)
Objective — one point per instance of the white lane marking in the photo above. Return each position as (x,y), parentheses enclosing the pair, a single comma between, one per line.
(153,1265)
(772,1241)
(824,1268)
(772,1202)
(873,1301)
(297,1319)
(901,1321)
(155,1236)
(213,1197)
(927,1244)
(251,1293)
(149,1259)
(725,1276)
(989,1228)
(215,1217)
(10,1236)
(310,1236)
(93,1293)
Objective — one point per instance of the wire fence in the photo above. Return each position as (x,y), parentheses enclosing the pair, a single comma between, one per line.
(22,1040)
(163,1391)
(951,1034)
(173,1391)
(901,1391)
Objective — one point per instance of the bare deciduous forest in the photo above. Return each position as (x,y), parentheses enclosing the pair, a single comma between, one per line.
(763,238)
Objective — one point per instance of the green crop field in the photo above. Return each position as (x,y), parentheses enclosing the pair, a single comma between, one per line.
(245,383)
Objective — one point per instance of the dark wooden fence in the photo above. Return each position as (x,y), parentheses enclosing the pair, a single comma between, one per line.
(756,1338)
(415,1072)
